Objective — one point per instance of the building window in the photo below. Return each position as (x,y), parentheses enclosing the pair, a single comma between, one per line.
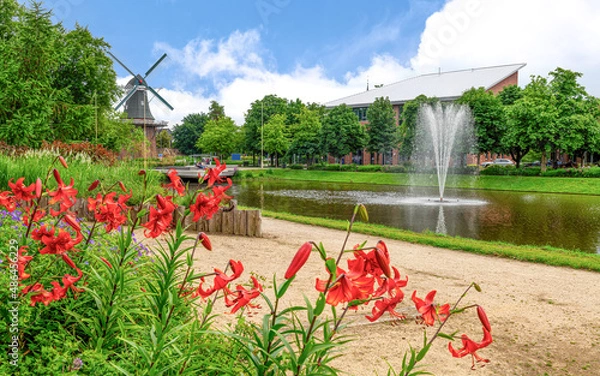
(361,112)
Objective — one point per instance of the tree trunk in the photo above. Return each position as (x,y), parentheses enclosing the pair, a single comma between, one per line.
(543,162)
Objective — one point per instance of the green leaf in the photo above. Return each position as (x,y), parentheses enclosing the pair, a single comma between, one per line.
(320,304)
(282,290)
(331,267)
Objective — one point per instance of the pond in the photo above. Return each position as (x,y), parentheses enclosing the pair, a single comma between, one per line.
(565,221)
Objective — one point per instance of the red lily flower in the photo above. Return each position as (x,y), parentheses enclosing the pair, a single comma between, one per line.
(176,183)
(387,305)
(212,174)
(64,194)
(40,295)
(59,244)
(470,347)
(20,191)
(160,217)
(299,260)
(39,214)
(221,280)
(392,285)
(108,211)
(204,206)
(243,297)
(430,312)
(22,261)
(8,201)
(341,291)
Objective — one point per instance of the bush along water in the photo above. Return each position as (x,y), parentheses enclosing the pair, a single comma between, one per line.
(90,298)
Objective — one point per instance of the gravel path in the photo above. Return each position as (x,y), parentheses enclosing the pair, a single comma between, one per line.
(545,320)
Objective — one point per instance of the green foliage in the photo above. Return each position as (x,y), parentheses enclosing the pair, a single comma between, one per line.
(186,134)
(54,84)
(305,134)
(382,131)
(275,141)
(219,137)
(260,113)
(410,117)
(488,116)
(163,139)
(342,133)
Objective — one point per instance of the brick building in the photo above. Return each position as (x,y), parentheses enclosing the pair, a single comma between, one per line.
(446,86)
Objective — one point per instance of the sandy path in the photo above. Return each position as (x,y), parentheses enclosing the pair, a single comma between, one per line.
(545,319)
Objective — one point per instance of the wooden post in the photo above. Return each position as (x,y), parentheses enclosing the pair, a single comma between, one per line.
(239,222)
(253,223)
(228,222)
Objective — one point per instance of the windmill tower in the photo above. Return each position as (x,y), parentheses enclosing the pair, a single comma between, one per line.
(137,105)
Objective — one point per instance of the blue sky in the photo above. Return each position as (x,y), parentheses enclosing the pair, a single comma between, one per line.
(238,51)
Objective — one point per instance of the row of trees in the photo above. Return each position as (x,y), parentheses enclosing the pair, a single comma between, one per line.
(283,129)
(550,116)
(55,84)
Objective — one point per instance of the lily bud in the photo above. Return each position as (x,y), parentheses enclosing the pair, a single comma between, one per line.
(299,260)
(38,188)
(122,186)
(142,172)
(383,258)
(106,262)
(94,185)
(71,221)
(57,177)
(205,241)
(62,161)
(483,318)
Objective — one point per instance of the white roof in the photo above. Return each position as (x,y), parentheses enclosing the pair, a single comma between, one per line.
(444,85)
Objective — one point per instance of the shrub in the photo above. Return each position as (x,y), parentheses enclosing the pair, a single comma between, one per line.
(296,167)
(369,168)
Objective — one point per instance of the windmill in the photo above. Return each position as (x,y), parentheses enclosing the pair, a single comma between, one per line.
(136,104)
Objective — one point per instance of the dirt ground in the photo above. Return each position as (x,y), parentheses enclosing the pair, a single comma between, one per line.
(545,320)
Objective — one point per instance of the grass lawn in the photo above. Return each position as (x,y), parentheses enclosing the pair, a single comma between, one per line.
(584,186)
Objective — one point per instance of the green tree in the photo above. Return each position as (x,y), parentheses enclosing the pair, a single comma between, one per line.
(532,120)
(186,134)
(260,113)
(510,94)
(342,133)
(163,139)
(215,111)
(219,137)
(578,114)
(306,135)
(382,131)
(54,84)
(276,142)
(488,119)
(408,127)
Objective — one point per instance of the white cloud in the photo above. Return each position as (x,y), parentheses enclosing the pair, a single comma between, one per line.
(544,34)
(463,34)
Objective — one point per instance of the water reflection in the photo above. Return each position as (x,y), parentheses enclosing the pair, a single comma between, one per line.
(564,221)
(441,222)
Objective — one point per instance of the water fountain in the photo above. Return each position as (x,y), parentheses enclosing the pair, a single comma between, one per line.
(444,135)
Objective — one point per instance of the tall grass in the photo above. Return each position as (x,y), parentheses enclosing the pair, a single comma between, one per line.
(81,169)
